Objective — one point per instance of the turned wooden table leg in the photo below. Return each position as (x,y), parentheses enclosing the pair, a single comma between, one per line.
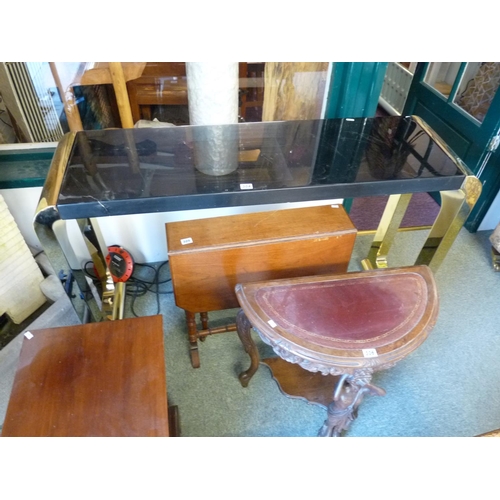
(204,323)
(243,328)
(193,339)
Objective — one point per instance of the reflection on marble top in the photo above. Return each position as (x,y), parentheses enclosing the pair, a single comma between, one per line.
(123,171)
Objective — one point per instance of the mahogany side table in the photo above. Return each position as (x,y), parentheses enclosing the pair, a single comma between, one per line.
(96,379)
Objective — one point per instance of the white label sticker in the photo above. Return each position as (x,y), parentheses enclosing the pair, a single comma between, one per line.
(370,353)
(335,206)
(186,241)
(272,323)
(246,186)
(28,335)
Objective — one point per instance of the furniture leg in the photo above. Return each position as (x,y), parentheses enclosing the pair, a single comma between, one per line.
(243,327)
(193,339)
(386,231)
(204,323)
(45,230)
(120,88)
(96,247)
(51,231)
(174,425)
(132,155)
(347,397)
(495,259)
(134,105)
(455,208)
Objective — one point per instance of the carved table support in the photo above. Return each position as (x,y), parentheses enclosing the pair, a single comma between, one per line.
(243,327)
(347,397)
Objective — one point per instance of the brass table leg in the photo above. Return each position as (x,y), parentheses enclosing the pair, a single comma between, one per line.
(455,208)
(119,300)
(46,225)
(495,259)
(51,231)
(97,249)
(386,232)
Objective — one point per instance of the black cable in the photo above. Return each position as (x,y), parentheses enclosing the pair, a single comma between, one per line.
(138,287)
(92,276)
(150,286)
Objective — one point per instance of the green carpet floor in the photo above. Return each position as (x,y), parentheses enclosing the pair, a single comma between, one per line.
(450,386)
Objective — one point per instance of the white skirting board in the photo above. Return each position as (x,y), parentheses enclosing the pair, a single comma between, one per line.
(20,276)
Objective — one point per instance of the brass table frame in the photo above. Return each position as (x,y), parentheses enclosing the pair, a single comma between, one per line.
(456,206)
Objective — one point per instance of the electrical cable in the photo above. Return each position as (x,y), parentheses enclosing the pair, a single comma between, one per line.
(147,286)
(138,285)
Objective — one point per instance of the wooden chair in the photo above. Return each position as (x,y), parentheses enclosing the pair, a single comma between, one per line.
(115,73)
(348,325)
(165,84)
(161,83)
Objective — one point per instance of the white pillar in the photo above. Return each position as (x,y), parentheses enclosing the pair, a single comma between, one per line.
(213,100)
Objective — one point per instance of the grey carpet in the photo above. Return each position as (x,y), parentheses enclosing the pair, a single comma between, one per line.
(60,313)
(450,386)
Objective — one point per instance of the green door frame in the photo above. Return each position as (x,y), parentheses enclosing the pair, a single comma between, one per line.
(354,92)
(354,89)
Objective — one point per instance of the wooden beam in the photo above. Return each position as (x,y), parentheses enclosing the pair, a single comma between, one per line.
(293,90)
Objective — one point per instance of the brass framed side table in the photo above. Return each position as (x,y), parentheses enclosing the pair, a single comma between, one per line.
(136,171)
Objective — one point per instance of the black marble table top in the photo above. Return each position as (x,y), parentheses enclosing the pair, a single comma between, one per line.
(119,171)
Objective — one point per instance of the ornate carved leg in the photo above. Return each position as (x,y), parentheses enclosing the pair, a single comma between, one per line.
(347,396)
(243,328)
(204,323)
(193,339)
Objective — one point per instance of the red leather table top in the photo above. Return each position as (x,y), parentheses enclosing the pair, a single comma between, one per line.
(363,312)
(344,314)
